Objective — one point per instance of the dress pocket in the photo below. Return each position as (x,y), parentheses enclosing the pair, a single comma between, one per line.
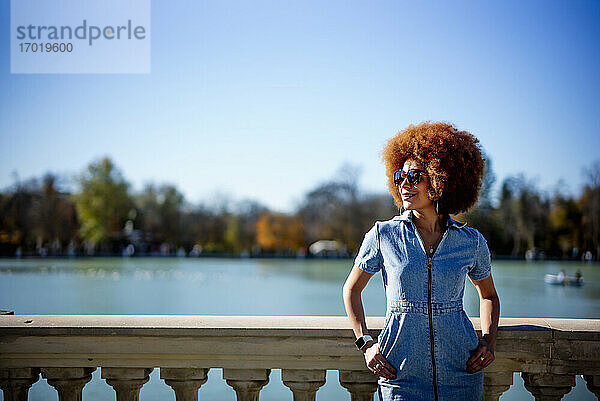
(470,334)
(383,338)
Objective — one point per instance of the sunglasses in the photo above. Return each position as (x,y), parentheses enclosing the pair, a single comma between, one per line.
(414,176)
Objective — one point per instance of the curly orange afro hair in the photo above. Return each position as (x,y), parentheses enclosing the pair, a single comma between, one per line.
(452,159)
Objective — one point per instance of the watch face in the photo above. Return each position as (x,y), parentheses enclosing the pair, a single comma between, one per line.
(360,342)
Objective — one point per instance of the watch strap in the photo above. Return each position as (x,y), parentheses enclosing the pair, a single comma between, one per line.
(361,341)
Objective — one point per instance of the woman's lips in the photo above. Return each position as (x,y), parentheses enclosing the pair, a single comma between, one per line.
(408,196)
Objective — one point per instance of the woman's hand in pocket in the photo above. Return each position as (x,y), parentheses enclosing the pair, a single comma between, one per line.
(377,363)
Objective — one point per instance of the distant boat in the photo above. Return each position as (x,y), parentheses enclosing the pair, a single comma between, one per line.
(566,280)
(327,248)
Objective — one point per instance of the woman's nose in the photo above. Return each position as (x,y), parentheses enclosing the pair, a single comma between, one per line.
(405,181)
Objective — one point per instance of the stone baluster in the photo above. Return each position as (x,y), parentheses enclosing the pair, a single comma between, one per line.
(247,383)
(15,382)
(303,383)
(593,384)
(496,383)
(68,382)
(185,382)
(126,382)
(361,385)
(548,386)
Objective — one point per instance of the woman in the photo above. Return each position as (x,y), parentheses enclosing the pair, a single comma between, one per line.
(428,348)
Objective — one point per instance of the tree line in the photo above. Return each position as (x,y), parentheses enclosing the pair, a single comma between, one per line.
(105,217)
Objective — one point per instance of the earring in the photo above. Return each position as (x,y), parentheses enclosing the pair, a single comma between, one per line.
(436,208)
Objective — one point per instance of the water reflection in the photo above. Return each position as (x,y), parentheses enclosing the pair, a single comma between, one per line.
(327,270)
(314,286)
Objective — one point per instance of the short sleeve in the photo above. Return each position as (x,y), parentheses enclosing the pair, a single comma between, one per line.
(369,255)
(482,266)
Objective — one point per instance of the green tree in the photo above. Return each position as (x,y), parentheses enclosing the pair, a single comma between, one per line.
(240,234)
(103,203)
(161,213)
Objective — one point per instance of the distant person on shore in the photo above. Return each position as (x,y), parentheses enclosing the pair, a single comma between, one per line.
(428,348)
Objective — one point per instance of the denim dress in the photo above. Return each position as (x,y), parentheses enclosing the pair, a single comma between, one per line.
(427,335)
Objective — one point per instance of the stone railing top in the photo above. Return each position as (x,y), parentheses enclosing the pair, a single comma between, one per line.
(193,325)
(537,345)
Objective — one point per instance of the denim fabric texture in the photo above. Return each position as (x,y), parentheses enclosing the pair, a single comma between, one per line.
(423,310)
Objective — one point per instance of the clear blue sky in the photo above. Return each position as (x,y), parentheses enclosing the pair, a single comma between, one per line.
(264,99)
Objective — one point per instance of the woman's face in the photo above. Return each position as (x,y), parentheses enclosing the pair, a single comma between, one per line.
(414,197)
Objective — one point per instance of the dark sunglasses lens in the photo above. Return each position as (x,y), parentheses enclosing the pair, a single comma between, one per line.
(398,177)
(414,176)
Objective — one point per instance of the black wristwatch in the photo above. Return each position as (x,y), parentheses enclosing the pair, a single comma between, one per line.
(361,341)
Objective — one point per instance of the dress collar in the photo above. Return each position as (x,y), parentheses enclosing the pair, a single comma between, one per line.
(407,215)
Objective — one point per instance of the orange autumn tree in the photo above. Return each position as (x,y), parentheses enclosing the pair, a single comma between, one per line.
(279,232)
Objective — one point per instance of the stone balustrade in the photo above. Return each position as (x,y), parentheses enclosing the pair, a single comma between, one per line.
(66,349)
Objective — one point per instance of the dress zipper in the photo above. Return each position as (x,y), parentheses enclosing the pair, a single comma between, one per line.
(429,308)
(430,313)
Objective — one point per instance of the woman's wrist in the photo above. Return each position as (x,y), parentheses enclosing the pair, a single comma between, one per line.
(490,341)
(367,345)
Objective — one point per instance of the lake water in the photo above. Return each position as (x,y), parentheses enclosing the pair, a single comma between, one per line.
(216,286)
